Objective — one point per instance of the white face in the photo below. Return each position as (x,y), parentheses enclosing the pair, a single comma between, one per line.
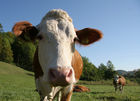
(116,79)
(57,45)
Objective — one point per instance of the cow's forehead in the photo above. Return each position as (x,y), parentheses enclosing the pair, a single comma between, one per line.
(57,13)
(57,23)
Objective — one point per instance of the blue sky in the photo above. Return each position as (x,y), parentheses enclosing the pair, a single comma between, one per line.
(119,20)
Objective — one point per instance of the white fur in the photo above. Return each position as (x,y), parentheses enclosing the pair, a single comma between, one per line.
(57,13)
(56,47)
(46,90)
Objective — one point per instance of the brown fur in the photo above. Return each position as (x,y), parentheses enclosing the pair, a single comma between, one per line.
(77,64)
(88,36)
(36,66)
(79,88)
(66,97)
(122,80)
(25,30)
(20,26)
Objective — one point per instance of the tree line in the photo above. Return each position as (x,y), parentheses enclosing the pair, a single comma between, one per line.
(93,73)
(14,50)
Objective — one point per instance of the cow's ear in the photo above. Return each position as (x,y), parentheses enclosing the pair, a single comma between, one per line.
(25,30)
(88,35)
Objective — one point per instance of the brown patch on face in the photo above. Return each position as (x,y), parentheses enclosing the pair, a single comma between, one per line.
(36,66)
(77,64)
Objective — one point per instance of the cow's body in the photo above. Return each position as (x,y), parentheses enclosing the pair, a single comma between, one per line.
(119,82)
(57,64)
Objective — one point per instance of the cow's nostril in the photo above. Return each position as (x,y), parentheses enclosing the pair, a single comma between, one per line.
(70,73)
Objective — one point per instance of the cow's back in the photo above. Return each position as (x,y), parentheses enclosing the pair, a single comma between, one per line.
(122,80)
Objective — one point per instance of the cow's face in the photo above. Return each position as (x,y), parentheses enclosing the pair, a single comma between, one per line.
(57,38)
(57,47)
(116,79)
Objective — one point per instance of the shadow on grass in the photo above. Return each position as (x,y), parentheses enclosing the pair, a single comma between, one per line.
(100,92)
(137,92)
(30,74)
(108,98)
(104,98)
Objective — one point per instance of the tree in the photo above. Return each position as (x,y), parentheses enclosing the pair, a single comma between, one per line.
(6,53)
(0,43)
(89,70)
(10,36)
(110,65)
(23,53)
(1,28)
(102,69)
(137,73)
(110,73)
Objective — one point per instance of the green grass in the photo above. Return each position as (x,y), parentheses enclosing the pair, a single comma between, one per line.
(17,84)
(107,93)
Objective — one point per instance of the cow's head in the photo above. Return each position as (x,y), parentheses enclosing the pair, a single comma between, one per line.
(116,79)
(57,37)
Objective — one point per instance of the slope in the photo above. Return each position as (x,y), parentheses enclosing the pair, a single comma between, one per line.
(16,83)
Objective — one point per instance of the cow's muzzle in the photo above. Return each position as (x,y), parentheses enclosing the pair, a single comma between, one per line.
(61,76)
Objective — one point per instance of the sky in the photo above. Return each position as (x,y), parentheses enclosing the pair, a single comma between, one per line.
(119,21)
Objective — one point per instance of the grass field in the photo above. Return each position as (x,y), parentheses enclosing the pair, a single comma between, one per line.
(17,84)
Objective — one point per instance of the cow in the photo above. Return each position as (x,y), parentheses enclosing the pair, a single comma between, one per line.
(119,82)
(57,64)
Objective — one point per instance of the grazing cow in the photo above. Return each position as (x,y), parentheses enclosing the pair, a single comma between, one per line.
(119,82)
(57,64)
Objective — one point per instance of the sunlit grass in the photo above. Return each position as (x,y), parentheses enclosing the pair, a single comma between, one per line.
(107,93)
(17,84)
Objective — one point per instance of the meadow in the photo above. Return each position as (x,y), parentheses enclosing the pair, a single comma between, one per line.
(17,84)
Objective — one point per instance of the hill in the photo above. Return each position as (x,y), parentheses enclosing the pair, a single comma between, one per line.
(122,72)
(16,83)
(8,69)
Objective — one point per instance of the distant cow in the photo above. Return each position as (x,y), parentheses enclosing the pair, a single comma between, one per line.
(57,64)
(119,82)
